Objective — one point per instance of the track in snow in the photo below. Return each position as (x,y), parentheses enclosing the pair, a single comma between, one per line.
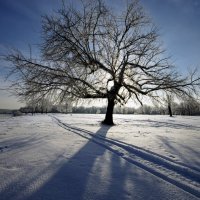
(175,173)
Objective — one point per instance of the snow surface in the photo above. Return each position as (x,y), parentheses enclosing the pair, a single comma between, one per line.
(74,157)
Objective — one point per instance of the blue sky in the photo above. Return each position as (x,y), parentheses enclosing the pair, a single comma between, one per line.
(179,25)
(177,20)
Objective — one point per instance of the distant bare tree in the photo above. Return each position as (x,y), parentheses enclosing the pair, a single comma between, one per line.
(169,99)
(91,51)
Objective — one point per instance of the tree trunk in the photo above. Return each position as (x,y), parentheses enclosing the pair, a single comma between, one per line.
(109,113)
(170,110)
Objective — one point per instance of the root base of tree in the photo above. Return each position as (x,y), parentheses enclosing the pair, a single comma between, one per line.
(104,122)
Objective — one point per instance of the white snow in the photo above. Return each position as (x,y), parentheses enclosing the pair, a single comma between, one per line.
(74,157)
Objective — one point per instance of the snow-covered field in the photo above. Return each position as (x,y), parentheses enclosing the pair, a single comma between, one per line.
(72,157)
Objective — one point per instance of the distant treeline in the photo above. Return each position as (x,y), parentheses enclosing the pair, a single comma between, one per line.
(187,107)
(6,111)
(177,109)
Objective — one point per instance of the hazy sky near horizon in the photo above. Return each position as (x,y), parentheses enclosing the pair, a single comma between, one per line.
(177,20)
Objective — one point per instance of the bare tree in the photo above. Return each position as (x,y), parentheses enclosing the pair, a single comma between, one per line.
(92,51)
(169,99)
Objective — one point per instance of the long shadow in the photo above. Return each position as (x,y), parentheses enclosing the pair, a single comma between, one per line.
(157,124)
(92,173)
(194,155)
(100,176)
(77,169)
(15,144)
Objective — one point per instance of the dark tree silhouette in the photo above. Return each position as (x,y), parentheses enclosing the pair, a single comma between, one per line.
(92,51)
(169,101)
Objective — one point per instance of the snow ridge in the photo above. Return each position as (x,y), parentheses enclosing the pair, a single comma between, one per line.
(177,174)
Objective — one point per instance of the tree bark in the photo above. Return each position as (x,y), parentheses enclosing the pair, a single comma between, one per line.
(109,113)
(170,110)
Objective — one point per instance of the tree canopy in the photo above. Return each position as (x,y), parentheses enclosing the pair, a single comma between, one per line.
(94,51)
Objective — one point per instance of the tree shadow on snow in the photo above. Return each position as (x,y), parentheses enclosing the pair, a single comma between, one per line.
(174,125)
(92,173)
(180,149)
